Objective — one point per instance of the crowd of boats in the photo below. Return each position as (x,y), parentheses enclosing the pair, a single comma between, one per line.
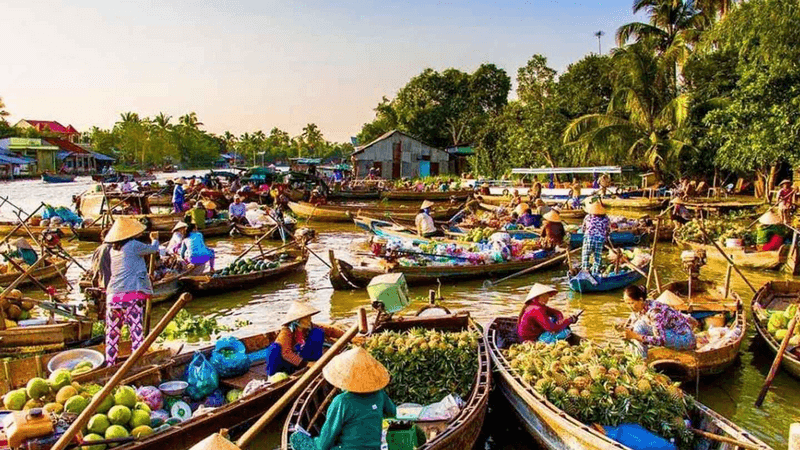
(480,238)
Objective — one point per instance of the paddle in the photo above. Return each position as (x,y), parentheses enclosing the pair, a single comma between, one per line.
(725,439)
(213,441)
(490,283)
(258,241)
(628,264)
(776,365)
(98,398)
(730,261)
(653,252)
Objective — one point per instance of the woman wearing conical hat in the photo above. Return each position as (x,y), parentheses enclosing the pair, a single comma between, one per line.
(658,323)
(23,250)
(785,200)
(596,227)
(299,340)
(424,221)
(355,417)
(770,233)
(679,213)
(129,286)
(553,232)
(539,322)
(178,195)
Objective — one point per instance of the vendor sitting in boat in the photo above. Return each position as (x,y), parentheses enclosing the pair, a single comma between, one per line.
(424,221)
(354,420)
(196,215)
(299,340)
(194,251)
(178,234)
(526,217)
(211,209)
(679,213)
(22,250)
(317,198)
(553,232)
(539,322)
(656,323)
(770,233)
(237,211)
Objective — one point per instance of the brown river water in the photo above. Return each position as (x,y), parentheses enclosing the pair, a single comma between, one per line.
(732,394)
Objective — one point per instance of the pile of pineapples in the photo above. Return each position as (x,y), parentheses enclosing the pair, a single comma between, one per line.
(606,386)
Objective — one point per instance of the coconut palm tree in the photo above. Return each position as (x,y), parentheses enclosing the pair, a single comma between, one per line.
(161,120)
(3,112)
(129,117)
(190,121)
(644,119)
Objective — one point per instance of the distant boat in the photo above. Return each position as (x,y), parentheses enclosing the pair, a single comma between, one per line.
(58,178)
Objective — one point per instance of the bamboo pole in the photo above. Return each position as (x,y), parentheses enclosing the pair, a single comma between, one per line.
(726,440)
(14,230)
(14,284)
(87,413)
(776,364)
(725,255)
(653,253)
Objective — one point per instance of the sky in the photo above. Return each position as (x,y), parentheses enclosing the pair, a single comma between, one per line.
(249,65)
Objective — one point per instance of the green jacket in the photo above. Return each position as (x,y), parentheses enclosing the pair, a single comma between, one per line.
(198,217)
(355,421)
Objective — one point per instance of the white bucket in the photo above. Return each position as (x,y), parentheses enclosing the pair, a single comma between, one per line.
(733,243)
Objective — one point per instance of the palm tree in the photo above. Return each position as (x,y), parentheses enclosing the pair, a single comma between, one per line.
(312,136)
(162,121)
(129,117)
(3,112)
(644,118)
(713,8)
(190,121)
(230,140)
(258,142)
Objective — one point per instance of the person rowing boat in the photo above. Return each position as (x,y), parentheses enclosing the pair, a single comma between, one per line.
(596,228)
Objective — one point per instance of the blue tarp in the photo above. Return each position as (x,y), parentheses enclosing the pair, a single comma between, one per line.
(63,154)
(102,157)
(8,159)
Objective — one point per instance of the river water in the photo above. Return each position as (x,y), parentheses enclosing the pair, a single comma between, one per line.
(732,394)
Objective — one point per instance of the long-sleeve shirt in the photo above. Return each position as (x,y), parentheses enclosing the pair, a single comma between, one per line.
(553,233)
(178,194)
(662,317)
(538,318)
(354,421)
(174,245)
(237,210)
(129,268)
(194,245)
(197,217)
(596,225)
(529,220)
(288,338)
(424,224)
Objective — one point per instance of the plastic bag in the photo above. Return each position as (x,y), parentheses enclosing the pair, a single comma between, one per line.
(201,376)
(48,212)
(637,437)
(229,357)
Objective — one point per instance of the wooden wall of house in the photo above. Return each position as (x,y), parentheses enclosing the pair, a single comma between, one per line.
(412,153)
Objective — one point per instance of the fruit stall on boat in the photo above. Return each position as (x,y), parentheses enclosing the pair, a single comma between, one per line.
(773,306)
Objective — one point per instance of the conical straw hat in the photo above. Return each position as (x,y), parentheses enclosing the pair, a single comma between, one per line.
(252,206)
(670,299)
(124,228)
(785,182)
(215,442)
(594,206)
(552,216)
(21,243)
(539,289)
(179,225)
(426,204)
(210,205)
(356,371)
(769,218)
(180,180)
(677,201)
(299,310)
(521,208)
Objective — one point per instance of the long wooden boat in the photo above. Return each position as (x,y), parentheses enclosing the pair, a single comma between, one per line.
(385,229)
(722,205)
(777,295)
(231,416)
(92,233)
(17,372)
(742,257)
(7,226)
(459,433)
(246,230)
(350,276)
(621,238)
(555,429)
(421,196)
(159,200)
(59,334)
(568,215)
(636,203)
(706,297)
(345,213)
(205,284)
(58,178)
(354,195)
(42,273)
(606,283)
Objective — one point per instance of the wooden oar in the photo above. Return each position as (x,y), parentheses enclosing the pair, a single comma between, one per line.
(730,261)
(19,225)
(87,413)
(776,365)
(293,392)
(490,283)
(726,440)
(653,253)
(623,257)
(258,241)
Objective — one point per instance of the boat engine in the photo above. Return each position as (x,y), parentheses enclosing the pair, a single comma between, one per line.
(692,261)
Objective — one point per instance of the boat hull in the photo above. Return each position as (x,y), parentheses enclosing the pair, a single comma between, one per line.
(606,283)
(344,213)
(41,273)
(777,293)
(8,227)
(771,260)
(422,196)
(204,285)
(58,178)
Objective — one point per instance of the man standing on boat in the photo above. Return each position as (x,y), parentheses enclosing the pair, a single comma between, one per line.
(424,221)
(785,201)
(596,227)
(178,196)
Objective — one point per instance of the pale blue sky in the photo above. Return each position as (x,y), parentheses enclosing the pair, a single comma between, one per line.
(249,65)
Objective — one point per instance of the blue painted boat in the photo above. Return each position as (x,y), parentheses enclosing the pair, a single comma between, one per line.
(58,178)
(618,238)
(606,283)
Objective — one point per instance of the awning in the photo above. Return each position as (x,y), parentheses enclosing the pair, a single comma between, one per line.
(568,170)
(63,154)
(6,159)
(102,157)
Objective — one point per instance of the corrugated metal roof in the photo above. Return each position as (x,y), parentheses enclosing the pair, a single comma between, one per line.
(101,157)
(387,135)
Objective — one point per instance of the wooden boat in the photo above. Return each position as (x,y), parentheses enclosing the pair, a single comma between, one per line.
(384,229)
(42,273)
(777,295)
(742,257)
(421,196)
(17,372)
(256,232)
(721,205)
(59,334)
(349,276)
(345,213)
(706,297)
(459,433)
(93,233)
(354,195)
(58,178)
(205,284)
(569,215)
(159,200)
(122,176)
(636,203)
(7,226)
(555,429)
(621,238)
(229,416)
(167,288)
(606,283)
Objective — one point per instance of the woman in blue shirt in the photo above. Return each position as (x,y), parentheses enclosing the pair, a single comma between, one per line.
(195,252)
